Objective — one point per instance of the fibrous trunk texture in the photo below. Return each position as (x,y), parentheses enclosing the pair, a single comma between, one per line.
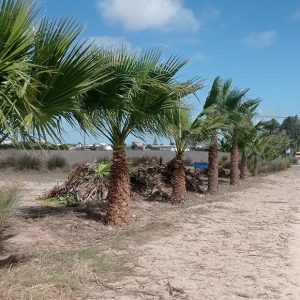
(119,190)
(255,168)
(178,182)
(234,164)
(244,167)
(213,166)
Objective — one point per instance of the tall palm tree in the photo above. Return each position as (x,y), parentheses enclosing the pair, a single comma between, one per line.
(134,102)
(225,101)
(214,99)
(43,71)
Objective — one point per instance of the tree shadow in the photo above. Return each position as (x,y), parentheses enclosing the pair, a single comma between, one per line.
(89,212)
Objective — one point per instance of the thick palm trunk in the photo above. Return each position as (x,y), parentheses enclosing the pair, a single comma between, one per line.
(119,189)
(255,168)
(178,182)
(234,164)
(213,166)
(244,167)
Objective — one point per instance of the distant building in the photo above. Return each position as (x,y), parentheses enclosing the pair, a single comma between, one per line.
(164,147)
(136,145)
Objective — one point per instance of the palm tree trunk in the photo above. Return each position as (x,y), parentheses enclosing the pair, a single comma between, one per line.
(213,166)
(234,164)
(178,182)
(255,168)
(244,167)
(118,197)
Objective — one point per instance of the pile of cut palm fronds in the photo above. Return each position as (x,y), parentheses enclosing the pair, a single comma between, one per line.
(88,184)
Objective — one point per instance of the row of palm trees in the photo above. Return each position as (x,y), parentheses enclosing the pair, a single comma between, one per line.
(48,78)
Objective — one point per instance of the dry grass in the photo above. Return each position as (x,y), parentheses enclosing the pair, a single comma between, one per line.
(21,163)
(61,275)
(275,165)
(9,203)
(140,235)
(56,162)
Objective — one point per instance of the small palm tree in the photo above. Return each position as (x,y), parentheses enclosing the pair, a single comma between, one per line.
(246,110)
(256,150)
(249,141)
(265,146)
(133,102)
(183,131)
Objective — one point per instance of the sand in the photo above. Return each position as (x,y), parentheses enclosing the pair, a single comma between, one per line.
(243,243)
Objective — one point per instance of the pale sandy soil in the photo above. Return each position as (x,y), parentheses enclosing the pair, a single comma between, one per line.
(243,243)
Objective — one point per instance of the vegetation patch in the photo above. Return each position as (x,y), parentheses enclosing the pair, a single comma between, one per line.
(68,200)
(56,162)
(275,165)
(60,275)
(21,163)
(9,204)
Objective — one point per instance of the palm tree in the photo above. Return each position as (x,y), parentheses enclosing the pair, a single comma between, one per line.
(265,146)
(213,155)
(215,99)
(43,71)
(248,141)
(225,101)
(183,131)
(245,109)
(134,102)
(256,149)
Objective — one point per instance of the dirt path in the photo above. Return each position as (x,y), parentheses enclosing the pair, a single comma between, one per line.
(246,246)
(241,244)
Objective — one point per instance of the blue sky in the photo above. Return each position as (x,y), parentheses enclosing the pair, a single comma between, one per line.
(254,42)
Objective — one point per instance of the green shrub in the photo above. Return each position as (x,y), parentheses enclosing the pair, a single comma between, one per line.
(56,162)
(274,165)
(100,170)
(68,200)
(9,203)
(27,162)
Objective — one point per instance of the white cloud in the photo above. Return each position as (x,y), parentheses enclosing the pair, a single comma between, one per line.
(262,39)
(139,15)
(110,42)
(296,15)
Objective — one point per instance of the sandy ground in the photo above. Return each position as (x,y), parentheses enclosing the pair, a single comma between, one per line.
(243,243)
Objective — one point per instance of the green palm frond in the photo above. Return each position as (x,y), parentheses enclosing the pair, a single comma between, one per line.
(16,38)
(214,93)
(142,89)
